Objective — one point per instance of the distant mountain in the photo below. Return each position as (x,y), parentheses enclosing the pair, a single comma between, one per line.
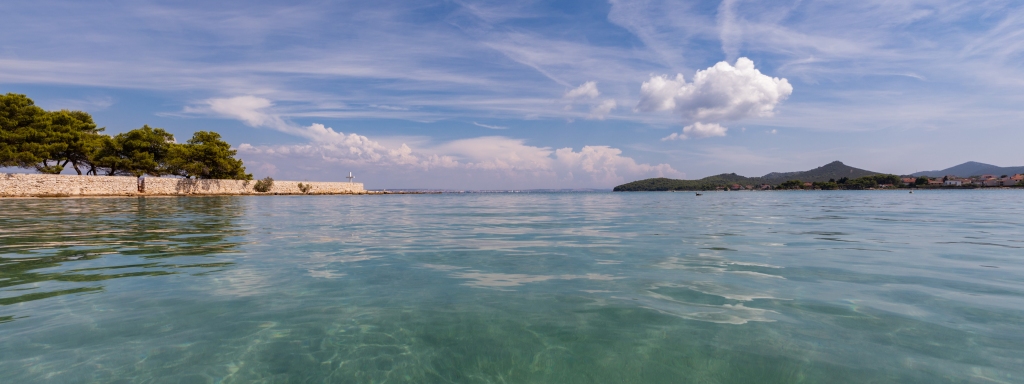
(834,170)
(710,182)
(972,168)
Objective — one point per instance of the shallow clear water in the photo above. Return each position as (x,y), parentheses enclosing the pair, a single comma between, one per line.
(728,287)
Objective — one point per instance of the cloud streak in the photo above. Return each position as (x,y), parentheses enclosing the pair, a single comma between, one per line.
(489,126)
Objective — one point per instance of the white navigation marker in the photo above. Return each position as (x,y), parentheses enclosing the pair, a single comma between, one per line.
(350,177)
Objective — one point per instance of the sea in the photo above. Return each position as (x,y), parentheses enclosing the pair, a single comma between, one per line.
(598,287)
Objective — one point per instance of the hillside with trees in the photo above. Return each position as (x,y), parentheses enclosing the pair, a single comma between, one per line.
(705,184)
(841,176)
(50,141)
(972,168)
(832,171)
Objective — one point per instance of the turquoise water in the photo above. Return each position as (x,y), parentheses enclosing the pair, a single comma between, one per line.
(729,287)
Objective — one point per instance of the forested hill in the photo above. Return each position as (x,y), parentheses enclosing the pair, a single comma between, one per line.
(710,182)
(972,168)
(832,171)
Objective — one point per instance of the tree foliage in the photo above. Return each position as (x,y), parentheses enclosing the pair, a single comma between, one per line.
(136,152)
(872,181)
(31,137)
(72,137)
(22,124)
(827,185)
(791,184)
(206,156)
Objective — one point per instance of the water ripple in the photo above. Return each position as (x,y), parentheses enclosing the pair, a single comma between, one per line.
(848,286)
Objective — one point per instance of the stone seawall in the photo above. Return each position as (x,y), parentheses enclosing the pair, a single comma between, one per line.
(32,185)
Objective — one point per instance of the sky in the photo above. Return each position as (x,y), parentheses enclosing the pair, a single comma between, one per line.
(522,95)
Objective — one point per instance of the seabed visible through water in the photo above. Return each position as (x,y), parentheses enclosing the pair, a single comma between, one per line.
(845,286)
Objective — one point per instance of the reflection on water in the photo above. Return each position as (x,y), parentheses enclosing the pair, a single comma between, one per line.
(662,287)
(53,247)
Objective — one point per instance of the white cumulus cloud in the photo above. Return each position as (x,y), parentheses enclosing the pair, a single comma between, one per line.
(585,90)
(720,93)
(601,110)
(697,131)
(481,162)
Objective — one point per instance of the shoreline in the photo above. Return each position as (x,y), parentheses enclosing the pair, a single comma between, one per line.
(39,185)
(374,193)
(838,190)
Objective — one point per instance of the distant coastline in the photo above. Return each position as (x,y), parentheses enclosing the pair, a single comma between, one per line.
(833,176)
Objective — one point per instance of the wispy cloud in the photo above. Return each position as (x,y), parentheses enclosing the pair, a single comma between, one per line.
(601,110)
(587,90)
(88,104)
(489,126)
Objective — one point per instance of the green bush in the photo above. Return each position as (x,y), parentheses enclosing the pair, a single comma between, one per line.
(828,185)
(305,188)
(792,184)
(264,185)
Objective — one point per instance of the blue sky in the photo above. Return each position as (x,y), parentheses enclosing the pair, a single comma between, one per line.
(482,95)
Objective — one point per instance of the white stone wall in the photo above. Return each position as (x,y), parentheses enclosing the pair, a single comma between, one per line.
(32,185)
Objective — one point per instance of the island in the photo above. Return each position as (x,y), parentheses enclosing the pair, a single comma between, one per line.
(837,176)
